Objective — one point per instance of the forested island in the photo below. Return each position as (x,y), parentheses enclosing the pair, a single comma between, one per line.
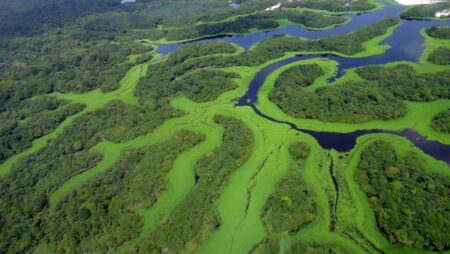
(216,126)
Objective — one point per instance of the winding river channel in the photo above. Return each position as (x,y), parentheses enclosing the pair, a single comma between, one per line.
(406,44)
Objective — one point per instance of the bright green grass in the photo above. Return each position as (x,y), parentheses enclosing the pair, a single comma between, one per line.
(241,228)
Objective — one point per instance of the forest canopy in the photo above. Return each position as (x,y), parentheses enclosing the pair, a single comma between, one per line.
(441,122)
(439,32)
(425,11)
(410,203)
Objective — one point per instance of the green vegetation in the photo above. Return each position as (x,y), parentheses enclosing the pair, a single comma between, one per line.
(439,32)
(316,248)
(350,102)
(197,50)
(178,76)
(299,76)
(109,147)
(335,6)
(441,122)
(439,52)
(107,205)
(243,24)
(425,11)
(440,56)
(409,202)
(24,190)
(191,221)
(403,82)
(349,44)
(32,119)
(30,17)
(291,207)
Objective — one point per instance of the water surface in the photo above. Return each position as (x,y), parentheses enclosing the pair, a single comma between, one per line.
(406,44)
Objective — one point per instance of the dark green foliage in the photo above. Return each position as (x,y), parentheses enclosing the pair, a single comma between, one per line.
(441,122)
(352,102)
(177,76)
(199,85)
(349,44)
(440,56)
(260,21)
(292,206)
(316,248)
(240,25)
(333,6)
(36,16)
(60,63)
(439,32)
(425,11)
(26,17)
(144,58)
(277,46)
(87,51)
(101,215)
(117,122)
(410,204)
(17,132)
(24,192)
(299,76)
(195,217)
(200,49)
(403,82)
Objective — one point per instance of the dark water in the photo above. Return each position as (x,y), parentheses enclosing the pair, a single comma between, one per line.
(246,41)
(344,142)
(406,45)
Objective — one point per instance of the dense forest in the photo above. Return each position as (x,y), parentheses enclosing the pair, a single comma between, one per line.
(351,102)
(102,214)
(24,192)
(242,24)
(440,56)
(292,206)
(299,76)
(32,119)
(277,46)
(195,217)
(410,203)
(441,122)
(379,98)
(333,6)
(26,17)
(37,16)
(348,44)
(403,82)
(84,91)
(425,11)
(439,32)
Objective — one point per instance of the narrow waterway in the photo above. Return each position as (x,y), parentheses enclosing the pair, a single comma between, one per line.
(406,44)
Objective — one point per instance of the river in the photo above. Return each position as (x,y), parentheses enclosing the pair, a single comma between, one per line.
(406,44)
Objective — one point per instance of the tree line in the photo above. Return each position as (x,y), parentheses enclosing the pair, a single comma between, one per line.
(410,203)
(196,216)
(291,207)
